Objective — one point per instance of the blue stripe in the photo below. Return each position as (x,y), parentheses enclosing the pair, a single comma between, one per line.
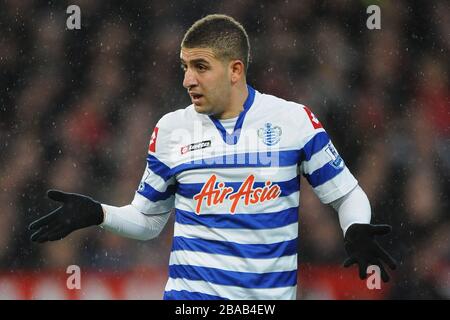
(187,295)
(154,195)
(233,138)
(261,251)
(239,160)
(238,220)
(234,278)
(314,145)
(158,167)
(322,175)
(243,160)
(189,190)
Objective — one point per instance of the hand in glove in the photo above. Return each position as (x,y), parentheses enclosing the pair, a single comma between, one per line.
(77,212)
(364,250)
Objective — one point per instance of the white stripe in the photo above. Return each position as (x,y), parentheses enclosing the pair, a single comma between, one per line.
(155,181)
(337,187)
(238,174)
(232,292)
(241,236)
(226,154)
(230,263)
(317,161)
(279,204)
(146,206)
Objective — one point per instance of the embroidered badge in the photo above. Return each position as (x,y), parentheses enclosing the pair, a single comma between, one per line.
(270,134)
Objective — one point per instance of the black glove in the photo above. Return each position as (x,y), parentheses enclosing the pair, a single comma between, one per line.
(77,212)
(364,250)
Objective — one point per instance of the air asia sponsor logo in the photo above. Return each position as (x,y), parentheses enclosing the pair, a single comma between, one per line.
(247,193)
(196,146)
(315,122)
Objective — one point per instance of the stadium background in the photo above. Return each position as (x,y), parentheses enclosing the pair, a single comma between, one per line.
(77,109)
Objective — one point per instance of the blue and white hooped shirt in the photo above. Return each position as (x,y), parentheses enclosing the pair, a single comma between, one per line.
(236,196)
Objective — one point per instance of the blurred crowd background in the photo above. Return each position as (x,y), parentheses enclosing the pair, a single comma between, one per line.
(77,108)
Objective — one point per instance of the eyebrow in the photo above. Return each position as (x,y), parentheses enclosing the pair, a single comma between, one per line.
(200,60)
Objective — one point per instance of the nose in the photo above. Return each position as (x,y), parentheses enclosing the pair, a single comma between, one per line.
(189,80)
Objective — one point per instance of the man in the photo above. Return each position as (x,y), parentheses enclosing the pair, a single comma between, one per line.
(229,164)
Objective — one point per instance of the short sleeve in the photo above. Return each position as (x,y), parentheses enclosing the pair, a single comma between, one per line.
(322,165)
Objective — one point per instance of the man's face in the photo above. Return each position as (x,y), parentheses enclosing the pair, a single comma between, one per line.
(207,80)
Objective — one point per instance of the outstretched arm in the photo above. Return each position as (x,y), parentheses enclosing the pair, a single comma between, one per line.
(128,222)
(143,219)
(78,211)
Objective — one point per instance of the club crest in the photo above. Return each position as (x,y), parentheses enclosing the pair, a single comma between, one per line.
(270,134)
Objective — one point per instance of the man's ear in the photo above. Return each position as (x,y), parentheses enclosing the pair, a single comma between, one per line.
(237,70)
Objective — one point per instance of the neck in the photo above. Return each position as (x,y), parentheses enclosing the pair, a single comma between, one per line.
(237,98)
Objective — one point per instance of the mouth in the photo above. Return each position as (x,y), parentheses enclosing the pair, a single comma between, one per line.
(195,97)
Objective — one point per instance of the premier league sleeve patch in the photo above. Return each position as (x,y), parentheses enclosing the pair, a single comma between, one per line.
(336,160)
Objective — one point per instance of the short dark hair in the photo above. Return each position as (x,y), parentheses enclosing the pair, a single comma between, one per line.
(224,35)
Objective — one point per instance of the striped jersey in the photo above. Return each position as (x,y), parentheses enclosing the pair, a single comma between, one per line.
(236,196)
